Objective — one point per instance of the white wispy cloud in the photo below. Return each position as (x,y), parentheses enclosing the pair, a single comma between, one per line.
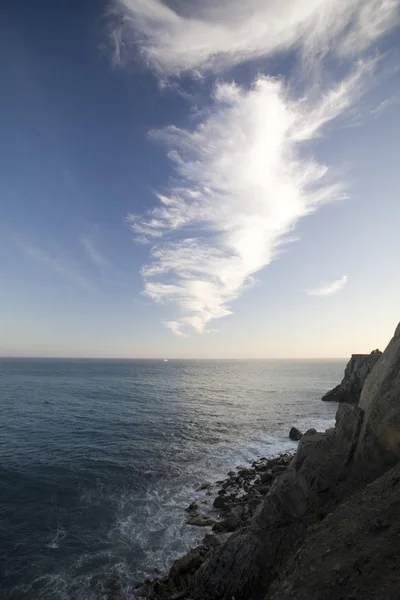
(378,110)
(327,289)
(175,327)
(217,34)
(56,264)
(94,255)
(243,187)
(244,175)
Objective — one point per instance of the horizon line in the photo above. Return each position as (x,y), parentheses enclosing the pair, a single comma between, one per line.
(175,358)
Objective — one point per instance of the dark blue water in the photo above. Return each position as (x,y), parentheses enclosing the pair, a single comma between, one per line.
(99,458)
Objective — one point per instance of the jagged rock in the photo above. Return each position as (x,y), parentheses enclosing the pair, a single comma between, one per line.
(220,502)
(267,476)
(212,540)
(326,468)
(379,442)
(356,372)
(219,527)
(203,486)
(246,564)
(192,508)
(298,523)
(233,518)
(353,552)
(200,521)
(295,434)
(189,561)
(311,431)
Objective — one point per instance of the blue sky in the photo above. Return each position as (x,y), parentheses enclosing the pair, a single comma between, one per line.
(183,180)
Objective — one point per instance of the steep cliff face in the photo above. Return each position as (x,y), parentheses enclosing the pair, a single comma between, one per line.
(357,370)
(352,553)
(327,468)
(246,565)
(380,401)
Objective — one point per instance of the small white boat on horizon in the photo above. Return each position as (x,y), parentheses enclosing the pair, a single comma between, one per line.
(165,359)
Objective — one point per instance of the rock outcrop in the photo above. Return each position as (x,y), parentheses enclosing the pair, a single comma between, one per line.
(237,500)
(327,468)
(357,370)
(250,560)
(379,441)
(295,434)
(328,525)
(351,554)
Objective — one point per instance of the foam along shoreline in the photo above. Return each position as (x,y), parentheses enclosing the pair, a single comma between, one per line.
(334,506)
(235,500)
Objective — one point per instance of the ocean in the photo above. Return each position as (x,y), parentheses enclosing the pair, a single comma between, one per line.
(99,458)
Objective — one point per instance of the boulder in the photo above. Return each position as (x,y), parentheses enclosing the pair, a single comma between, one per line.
(220,502)
(187,563)
(219,527)
(295,434)
(357,370)
(311,431)
(200,521)
(212,540)
(233,518)
(203,486)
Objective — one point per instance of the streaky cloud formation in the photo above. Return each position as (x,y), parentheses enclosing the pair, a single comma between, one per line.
(221,33)
(327,289)
(95,256)
(243,187)
(244,174)
(175,327)
(58,265)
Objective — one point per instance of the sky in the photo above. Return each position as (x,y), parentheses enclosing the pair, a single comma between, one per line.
(199,179)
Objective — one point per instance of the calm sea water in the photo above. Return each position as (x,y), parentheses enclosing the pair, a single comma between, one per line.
(99,458)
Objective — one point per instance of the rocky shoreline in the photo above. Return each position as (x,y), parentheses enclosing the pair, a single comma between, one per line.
(236,500)
(357,370)
(323,524)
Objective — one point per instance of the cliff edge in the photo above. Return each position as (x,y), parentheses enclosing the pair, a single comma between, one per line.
(329,525)
(327,469)
(357,370)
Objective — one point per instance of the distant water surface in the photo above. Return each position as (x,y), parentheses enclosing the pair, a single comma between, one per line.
(99,458)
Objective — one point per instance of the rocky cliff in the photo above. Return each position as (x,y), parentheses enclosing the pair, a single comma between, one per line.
(357,370)
(327,468)
(329,526)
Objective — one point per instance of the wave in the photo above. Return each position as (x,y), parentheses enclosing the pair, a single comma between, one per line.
(57,539)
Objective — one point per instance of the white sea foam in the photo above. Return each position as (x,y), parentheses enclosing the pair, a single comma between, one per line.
(161,530)
(57,539)
(129,477)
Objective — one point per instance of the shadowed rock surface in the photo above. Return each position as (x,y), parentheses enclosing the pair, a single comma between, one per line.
(353,553)
(234,506)
(250,560)
(379,442)
(326,469)
(329,525)
(295,434)
(357,370)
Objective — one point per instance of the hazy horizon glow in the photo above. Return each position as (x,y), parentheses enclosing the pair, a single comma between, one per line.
(193,179)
